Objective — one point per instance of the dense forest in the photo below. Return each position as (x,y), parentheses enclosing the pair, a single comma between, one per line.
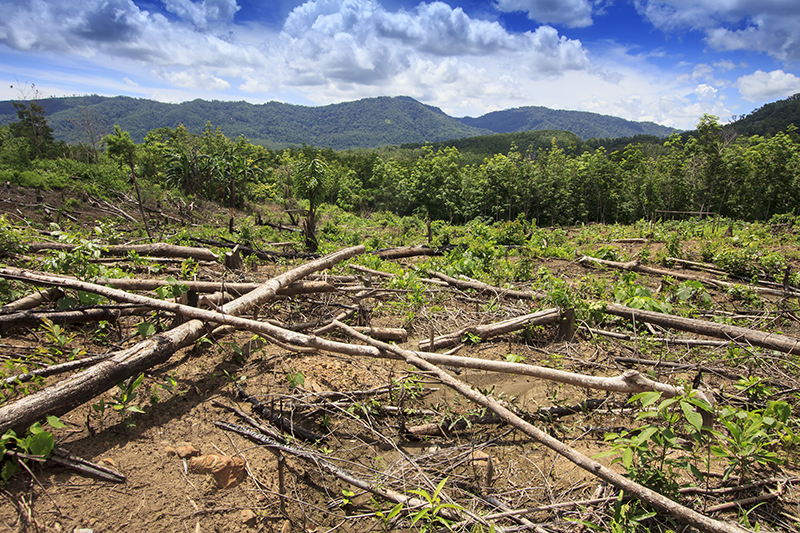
(366,123)
(550,178)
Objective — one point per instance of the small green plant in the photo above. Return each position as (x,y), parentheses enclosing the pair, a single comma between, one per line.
(514,358)
(173,289)
(189,268)
(751,438)
(58,341)
(36,442)
(295,379)
(431,518)
(693,291)
(347,497)
(647,453)
(123,400)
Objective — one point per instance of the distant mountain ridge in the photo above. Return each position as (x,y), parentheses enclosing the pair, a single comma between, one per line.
(584,124)
(366,123)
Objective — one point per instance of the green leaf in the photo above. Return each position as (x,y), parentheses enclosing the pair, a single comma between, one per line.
(41,444)
(693,417)
(55,422)
(646,398)
(627,457)
(145,329)
(9,469)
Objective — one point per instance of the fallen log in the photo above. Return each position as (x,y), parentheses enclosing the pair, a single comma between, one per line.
(670,507)
(487,331)
(297,287)
(28,319)
(158,249)
(635,266)
(771,341)
(84,386)
(406,251)
(34,300)
(485,288)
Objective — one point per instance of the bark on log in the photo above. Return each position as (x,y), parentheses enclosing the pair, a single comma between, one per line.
(483,287)
(548,316)
(84,386)
(675,509)
(158,249)
(771,341)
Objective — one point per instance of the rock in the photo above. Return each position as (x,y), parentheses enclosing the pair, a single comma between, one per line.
(186,450)
(227,471)
(248,517)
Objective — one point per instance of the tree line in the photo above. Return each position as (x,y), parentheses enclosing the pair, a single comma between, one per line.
(712,171)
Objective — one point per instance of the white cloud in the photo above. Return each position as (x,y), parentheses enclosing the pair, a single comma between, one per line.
(204,13)
(570,13)
(761,86)
(771,27)
(196,79)
(118,29)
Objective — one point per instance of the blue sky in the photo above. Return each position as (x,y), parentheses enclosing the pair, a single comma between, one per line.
(666,61)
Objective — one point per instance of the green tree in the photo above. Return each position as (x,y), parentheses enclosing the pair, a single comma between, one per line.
(33,126)
(311,181)
(122,148)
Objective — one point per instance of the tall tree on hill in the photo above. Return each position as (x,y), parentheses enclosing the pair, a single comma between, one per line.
(32,124)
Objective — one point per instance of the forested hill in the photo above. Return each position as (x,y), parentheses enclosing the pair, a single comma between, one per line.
(367,123)
(771,118)
(582,123)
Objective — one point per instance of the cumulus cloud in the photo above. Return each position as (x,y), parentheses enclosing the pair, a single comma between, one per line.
(358,41)
(204,13)
(769,27)
(570,13)
(761,86)
(118,28)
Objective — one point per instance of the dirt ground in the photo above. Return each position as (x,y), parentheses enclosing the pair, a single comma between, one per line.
(362,433)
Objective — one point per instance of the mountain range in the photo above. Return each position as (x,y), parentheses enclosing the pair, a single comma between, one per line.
(366,123)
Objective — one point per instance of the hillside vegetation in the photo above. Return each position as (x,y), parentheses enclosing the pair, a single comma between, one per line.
(367,123)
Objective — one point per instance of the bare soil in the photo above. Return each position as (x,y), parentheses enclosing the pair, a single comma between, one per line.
(360,434)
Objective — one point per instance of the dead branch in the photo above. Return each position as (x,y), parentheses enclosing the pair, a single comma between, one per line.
(82,387)
(57,369)
(483,332)
(485,288)
(682,513)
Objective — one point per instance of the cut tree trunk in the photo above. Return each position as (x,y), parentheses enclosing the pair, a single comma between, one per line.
(483,332)
(86,385)
(771,341)
(158,249)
